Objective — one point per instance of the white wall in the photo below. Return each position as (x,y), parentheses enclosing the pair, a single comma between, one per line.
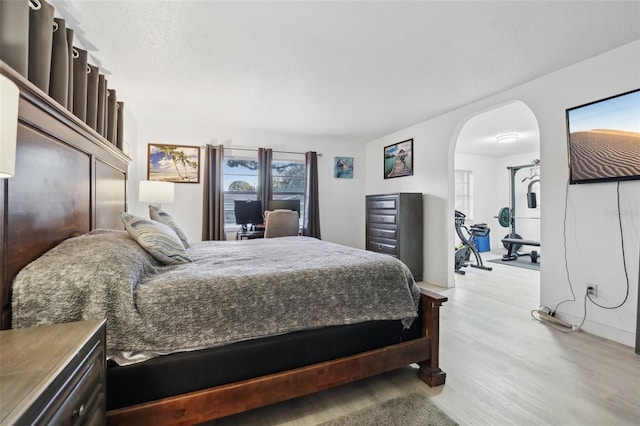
(593,239)
(593,243)
(339,198)
(433,176)
(486,200)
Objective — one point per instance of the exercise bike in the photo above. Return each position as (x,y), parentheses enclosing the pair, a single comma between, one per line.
(463,252)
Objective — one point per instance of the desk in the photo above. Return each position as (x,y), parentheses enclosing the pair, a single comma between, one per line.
(249,235)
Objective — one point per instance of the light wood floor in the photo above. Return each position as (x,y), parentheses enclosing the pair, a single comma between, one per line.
(502,367)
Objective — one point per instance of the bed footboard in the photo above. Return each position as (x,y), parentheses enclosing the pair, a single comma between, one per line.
(430,371)
(221,401)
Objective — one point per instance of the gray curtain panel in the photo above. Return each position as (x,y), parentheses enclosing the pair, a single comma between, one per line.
(112,115)
(40,42)
(101,119)
(80,83)
(120,126)
(59,77)
(14,35)
(265,180)
(213,194)
(70,58)
(311,221)
(92,95)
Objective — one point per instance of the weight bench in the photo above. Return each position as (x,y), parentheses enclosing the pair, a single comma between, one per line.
(513,244)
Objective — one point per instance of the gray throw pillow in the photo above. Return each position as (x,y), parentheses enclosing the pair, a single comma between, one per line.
(156,238)
(159,215)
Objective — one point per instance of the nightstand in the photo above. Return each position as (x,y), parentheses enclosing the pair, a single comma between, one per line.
(53,374)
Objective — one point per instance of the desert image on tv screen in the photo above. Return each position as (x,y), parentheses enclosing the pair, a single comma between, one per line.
(604,139)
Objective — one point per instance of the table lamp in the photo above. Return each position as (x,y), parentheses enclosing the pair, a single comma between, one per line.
(156,192)
(9,97)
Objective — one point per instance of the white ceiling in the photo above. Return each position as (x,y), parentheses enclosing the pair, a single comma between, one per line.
(350,71)
(479,134)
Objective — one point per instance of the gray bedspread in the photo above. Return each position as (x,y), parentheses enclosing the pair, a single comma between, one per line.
(232,291)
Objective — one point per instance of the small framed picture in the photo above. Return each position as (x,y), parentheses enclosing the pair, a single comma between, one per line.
(398,159)
(343,167)
(174,163)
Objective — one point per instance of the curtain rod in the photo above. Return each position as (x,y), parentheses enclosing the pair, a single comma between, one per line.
(256,150)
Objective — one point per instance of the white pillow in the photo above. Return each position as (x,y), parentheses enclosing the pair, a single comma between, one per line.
(156,238)
(159,215)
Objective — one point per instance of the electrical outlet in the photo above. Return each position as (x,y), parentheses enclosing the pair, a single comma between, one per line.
(592,290)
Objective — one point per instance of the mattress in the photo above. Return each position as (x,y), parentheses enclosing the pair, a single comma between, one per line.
(175,374)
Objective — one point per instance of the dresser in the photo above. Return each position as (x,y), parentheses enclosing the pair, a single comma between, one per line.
(394,226)
(53,374)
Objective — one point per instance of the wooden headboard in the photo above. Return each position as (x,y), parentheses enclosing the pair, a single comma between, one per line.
(69,180)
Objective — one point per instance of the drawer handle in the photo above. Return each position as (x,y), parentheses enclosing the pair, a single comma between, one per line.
(379,233)
(380,219)
(380,204)
(379,247)
(79,412)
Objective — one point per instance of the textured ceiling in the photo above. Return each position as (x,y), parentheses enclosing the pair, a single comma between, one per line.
(336,70)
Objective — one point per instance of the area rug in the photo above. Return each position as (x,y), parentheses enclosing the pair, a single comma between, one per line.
(521,262)
(413,409)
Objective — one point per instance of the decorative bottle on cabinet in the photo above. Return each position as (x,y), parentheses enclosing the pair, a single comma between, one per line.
(395,227)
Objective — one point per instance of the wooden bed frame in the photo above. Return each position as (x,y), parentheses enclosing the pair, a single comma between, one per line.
(69,180)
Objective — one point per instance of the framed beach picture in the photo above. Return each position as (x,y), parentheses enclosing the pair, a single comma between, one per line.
(343,167)
(398,159)
(173,163)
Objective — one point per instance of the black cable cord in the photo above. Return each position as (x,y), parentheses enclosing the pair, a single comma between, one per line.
(566,261)
(624,260)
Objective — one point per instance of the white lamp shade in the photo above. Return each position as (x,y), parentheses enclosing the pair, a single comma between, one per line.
(9,97)
(154,191)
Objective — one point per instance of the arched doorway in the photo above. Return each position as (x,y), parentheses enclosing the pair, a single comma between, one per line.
(496,163)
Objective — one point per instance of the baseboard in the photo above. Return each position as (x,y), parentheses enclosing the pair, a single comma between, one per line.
(623,337)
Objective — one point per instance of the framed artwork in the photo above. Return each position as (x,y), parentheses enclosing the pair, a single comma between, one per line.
(398,159)
(174,163)
(343,167)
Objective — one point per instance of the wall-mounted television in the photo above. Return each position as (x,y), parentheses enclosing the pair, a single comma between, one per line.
(604,139)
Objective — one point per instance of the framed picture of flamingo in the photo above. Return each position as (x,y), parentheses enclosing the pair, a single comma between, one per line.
(173,163)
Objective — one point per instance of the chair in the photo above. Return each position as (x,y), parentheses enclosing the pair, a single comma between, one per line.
(281,223)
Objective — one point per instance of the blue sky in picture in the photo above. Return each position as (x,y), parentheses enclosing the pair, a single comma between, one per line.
(160,163)
(163,165)
(618,113)
(392,150)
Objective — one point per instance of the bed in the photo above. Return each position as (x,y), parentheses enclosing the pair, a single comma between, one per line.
(70,187)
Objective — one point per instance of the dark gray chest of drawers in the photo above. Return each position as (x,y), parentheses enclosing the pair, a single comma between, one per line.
(395,227)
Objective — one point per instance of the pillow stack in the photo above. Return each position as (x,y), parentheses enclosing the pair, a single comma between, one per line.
(160,236)
(159,215)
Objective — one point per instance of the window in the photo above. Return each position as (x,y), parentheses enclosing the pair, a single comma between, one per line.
(241,182)
(289,181)
(464,192)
